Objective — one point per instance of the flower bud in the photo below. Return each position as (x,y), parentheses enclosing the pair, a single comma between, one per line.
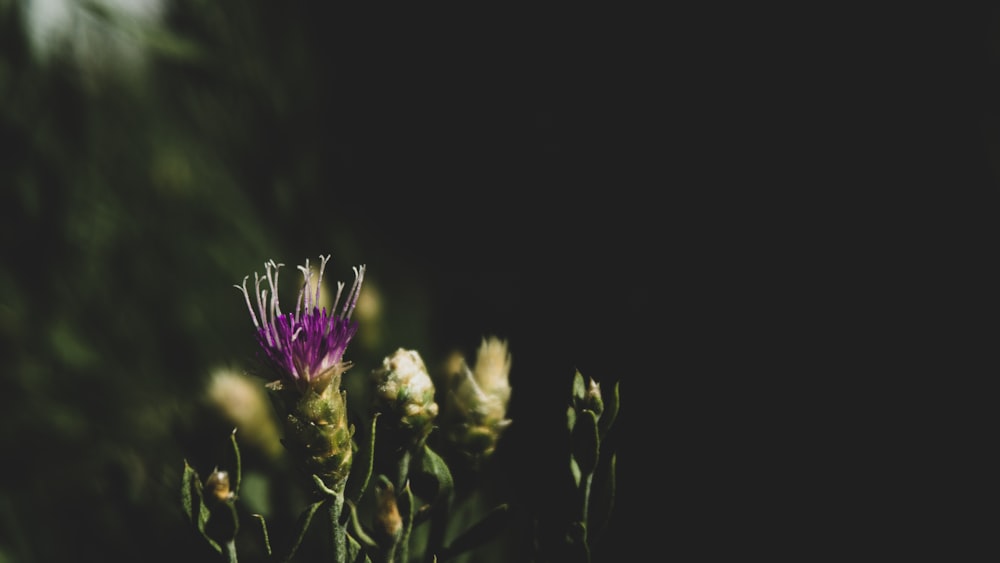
(388,528)
(404,394)
(217,486)
(244,403)
(592,400)
(477,401)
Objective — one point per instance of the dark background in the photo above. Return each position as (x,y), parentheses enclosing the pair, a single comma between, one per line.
(661,200)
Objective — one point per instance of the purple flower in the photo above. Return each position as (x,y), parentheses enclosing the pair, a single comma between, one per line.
(306,347)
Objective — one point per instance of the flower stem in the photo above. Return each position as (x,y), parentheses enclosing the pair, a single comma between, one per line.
(336,506)
(231,551)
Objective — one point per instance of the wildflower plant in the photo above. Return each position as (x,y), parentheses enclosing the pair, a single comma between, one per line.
(305,350)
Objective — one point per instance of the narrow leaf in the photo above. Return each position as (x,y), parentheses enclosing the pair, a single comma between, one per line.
(357,529)
(238,463)
(367,462)
(355,554)
(194,503)
(190,475)
(574,468)
(611,405)
(263,529)
(303,524)
(406,507)
(433,465)
(579,388)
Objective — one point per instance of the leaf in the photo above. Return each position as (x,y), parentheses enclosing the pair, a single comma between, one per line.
(574,468)
(579,388)
(357,529)
(303,525)
(263,528)
(479,533)
(355,554)
(367,463)
(189,481)
(194,503)
(585,445)
(406,507)
(570,417)
(611,405)
(432,464)
(239,465)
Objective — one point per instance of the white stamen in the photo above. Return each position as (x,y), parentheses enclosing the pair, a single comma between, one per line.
(340,289)
(274,287)
(306,274)
(359,276)
(246,295)
(322,266)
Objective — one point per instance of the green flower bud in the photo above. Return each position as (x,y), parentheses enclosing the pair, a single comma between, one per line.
(592,401)
(404,394)
(317,432)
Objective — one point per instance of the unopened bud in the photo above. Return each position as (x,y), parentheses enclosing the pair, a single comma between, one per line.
(593,399)
(388,527)
(404,394)
(477,400)
(217,485)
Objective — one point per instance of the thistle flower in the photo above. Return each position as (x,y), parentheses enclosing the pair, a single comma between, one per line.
(404,393)
(477,401)
(306,349)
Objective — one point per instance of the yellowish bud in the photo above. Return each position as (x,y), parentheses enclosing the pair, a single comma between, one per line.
(244,403)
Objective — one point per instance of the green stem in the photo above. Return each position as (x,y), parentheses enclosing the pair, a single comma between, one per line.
(585,486)
(231,551)
(336,506)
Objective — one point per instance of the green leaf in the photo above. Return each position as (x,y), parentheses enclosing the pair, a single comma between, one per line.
(579,388)
(574,468)
(355,554)
(367,463)
(189,481)
(357,529)
(303,525)
(432,464)
(322,486)
(194,503)
(603,499)
(406,507)
(611,405)
(238,473)
(585,445)
(570,417)
(486,529)
(263,529)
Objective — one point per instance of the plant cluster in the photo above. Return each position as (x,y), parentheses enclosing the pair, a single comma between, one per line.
(386,495)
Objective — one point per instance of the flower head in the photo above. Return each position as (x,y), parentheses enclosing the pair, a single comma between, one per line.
(305,347)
